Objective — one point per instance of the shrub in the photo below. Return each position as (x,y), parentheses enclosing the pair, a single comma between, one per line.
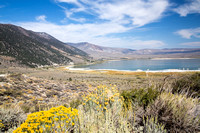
(75,103)
(101,98)
(102,111)
(60,119)
(70,79)
(11,116)
(151,125)
(177,112)
(1,124)
(189,85)
(52,93)
(142,97)
(26,108)
(12,92)
(17,76)
(105,110)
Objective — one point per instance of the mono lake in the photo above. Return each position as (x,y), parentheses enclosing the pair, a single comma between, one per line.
(147,64)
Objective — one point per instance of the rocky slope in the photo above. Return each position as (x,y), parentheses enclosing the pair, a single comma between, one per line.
(35,49)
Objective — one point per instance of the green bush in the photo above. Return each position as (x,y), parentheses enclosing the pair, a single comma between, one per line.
(70,79)
(189,85)
(142,97)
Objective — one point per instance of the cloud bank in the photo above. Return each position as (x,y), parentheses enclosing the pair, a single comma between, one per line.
(93,33)
(136,13)
(195,44)
(188,33)
(192,7)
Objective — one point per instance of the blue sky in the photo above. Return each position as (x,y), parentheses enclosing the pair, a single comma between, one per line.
(136,24)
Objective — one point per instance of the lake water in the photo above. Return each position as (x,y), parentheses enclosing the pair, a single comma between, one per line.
(147,64)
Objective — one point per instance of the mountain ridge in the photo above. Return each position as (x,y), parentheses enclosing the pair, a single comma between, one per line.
(35,49)
(98,52)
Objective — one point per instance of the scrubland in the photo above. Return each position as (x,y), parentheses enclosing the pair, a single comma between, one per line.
(54,100)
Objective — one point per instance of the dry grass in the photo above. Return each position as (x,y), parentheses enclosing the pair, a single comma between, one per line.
(174,112)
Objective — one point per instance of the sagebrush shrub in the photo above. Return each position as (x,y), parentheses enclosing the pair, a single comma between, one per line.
(177,112)
(11,116)
(189,85)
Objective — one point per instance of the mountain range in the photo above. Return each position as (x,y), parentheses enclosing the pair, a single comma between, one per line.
(99,52)
(21,47)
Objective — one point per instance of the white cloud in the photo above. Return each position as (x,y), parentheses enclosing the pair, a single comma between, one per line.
(189,8)
(188,33)
(131,43)
(137,12)
(69,1)
(93,33)
(69,15)
(195,44)
(148,44)
(41,18)
(75,32)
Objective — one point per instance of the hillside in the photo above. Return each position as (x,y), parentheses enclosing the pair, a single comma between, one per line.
(102,52)
(35,49)
(116,53)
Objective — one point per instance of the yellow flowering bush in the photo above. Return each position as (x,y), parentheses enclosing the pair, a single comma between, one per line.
(101,111)
(60,119)
(102,98)
(1,124)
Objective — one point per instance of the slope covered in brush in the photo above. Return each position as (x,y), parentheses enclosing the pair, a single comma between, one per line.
(35,49)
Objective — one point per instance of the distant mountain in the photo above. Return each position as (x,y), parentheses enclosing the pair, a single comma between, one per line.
(100,51)
(35,49)
(167,51)
(117,53)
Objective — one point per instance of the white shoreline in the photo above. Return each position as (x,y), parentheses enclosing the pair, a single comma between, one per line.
(171,58)
(138,70)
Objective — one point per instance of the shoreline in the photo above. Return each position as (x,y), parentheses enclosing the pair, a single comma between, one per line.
(172,58)
(70,68)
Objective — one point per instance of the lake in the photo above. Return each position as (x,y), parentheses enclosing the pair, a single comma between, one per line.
(147,64)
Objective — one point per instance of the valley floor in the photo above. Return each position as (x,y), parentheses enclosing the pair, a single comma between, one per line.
(122,79)
(42,88)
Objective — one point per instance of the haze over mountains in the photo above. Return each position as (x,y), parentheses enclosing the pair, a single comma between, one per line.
(107,52)
(33,49)
(102,52)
